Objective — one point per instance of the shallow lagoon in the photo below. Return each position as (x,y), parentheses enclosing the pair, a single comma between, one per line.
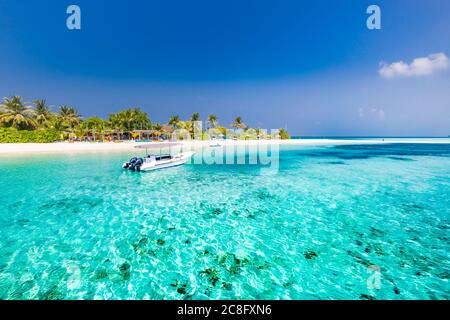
(78,227)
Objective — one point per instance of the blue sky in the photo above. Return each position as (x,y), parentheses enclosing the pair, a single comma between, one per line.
(310,66)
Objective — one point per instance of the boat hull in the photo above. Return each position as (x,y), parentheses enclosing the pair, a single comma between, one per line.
(174,162)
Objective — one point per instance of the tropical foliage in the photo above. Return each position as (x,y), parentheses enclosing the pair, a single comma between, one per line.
(129,120)
(12,135)
(174,121)
(212,121)
(23,122)
(43,115)
(238,123)
(15,114)
(283,134)
(195,117)
(69,116)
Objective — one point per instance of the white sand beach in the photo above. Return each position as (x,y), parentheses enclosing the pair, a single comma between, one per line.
(86,147)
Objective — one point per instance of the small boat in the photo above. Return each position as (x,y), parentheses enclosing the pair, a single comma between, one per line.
(157,161)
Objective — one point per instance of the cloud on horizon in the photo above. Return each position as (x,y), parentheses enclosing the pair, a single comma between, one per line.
(422,66)
(372,113)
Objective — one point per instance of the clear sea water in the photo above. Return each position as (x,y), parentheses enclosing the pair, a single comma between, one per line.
(328,225)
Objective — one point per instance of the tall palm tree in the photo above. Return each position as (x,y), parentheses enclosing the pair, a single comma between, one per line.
(195,117)
(16,114)
(69,116)
(189,127)
(128,119)
(212,121)
(116,123)
(238,123)
(42,113)
(193,124)
(64,111)
(74,118)
(174,120)
(141,119)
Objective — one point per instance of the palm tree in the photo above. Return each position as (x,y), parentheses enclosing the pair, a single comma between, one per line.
(260,134)
(16,114)
(195,117)
(116,123)
(194,125)
(69,116)
(74,118)
(96,126)
(42,113)
(64,111)
(94,123)
(130,119)
(127,117)
(189,127)
(174,120)
(212,121)
(141,119)
(282,132)
(238,123)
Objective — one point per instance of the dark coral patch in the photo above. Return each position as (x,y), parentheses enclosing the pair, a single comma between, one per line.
(52,294)
(227,286)
(125,271)
(310,255)
(212,275)
(263,194)
(216,211)
(376,232)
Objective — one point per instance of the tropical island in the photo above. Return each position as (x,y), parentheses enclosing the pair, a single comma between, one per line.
(21,122)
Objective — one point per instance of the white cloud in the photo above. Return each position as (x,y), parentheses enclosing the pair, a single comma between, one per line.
(418,67)
(378,113)
(372,113)
(361,112)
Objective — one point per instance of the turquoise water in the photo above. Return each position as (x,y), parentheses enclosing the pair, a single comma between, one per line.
(78,227)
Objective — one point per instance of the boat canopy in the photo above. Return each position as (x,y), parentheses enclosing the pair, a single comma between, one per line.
(158,145)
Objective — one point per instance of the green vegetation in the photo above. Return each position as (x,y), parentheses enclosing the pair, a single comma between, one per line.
(283,134)
(12,135)
(238,123)
(22,122)
(16,115)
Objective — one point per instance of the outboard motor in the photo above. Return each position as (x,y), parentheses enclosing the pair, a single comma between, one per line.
(127,165)
(137,165)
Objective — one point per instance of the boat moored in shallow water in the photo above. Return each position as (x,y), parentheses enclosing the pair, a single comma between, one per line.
(158,160)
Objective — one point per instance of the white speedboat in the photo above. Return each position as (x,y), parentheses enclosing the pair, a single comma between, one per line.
(159,160)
